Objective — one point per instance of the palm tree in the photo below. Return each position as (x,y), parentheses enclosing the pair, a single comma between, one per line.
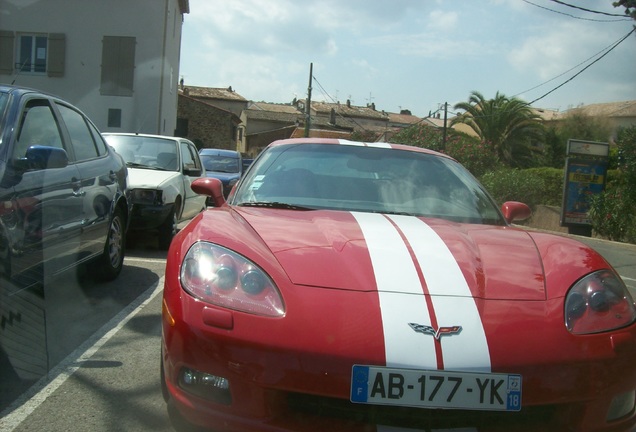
(509,124)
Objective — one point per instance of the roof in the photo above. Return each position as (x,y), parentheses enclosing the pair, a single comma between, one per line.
(227,94)
(274,107)
(273,112)
(207,151)
(321,140)
(348,110)
(321,133)
(403,118)
(547,114)
(201,101)
(609,109)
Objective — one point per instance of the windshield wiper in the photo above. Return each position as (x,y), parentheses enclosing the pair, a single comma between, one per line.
(142,166)
(274,204)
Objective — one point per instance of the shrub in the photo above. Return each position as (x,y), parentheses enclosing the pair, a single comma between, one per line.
(513,185)
(478,157)
(611,212)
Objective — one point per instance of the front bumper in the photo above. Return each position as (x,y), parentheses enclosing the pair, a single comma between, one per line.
(148,217)
(294,373)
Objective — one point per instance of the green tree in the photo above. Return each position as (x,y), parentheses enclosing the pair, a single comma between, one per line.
(576,125)
(478,157)
(629,5)
(509,124)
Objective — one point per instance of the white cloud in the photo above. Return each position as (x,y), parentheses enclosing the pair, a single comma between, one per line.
(442,21)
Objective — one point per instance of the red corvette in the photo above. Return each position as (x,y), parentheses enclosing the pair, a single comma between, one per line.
(376,287)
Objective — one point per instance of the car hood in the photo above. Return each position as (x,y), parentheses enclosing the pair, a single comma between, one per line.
(149,178)
(401,254)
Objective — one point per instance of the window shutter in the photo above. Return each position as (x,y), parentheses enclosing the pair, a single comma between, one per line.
(118,66)
(56,55)
(7,39)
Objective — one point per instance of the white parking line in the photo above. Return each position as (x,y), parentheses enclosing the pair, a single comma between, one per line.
(150,260)
(21,408)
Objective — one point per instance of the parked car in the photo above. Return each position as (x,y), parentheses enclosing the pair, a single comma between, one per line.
(347,285)
(161,170)
(226,165)
(247,161)
(63,191)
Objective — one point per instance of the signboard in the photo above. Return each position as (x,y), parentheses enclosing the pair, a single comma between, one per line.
(585,175)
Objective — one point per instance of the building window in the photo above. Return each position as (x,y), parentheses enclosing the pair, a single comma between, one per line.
(118,65)
(114,117)
(32,53)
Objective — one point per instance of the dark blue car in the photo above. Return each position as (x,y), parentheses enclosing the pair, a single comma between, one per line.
(63,191)
(225,165)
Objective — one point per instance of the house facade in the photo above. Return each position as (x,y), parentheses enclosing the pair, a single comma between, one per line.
(118,61)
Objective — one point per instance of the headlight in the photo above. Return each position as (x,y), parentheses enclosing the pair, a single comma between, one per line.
(598,302)
(147,196)
(222,277)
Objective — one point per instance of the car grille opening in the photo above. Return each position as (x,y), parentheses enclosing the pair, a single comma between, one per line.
(529,418)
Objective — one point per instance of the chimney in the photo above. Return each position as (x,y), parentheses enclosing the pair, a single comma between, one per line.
(348,103)
(332,117)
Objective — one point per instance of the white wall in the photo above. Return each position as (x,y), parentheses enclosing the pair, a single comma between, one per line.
(156,25)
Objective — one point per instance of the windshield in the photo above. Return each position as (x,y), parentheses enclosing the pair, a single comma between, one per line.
(224,164)
(145,152)
(368,179)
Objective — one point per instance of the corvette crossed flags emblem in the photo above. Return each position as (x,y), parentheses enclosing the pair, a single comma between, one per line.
(437,334)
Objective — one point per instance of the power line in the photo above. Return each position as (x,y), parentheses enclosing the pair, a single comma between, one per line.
(585,68)
(586,10)
(608,48)
(576,17)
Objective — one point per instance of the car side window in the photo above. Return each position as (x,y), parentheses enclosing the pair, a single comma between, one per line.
(188,159)
(81,136)
(102,147)
(37,127)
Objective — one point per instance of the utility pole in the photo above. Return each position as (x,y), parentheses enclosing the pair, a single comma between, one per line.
(444,132)
(308,105)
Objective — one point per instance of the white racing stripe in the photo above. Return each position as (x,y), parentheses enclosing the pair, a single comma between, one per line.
(402,301)
(452,299)
(403,346)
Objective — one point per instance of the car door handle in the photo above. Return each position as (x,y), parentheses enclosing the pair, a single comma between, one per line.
(77,188)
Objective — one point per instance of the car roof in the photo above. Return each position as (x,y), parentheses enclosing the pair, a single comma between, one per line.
(218,152)
(19,91)
(173,138)
(394,146)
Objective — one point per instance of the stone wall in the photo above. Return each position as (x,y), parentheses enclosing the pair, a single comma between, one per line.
(207,125)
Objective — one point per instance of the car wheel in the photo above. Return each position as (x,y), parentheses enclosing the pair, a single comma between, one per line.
(167,230)
(111,262)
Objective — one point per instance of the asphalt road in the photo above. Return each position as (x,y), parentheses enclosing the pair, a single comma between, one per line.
(108,348)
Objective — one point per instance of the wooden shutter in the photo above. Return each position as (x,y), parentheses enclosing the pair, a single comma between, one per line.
(56,55)
(7,39)
(118,65)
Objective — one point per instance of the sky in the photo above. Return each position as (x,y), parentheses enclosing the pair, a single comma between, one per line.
(412,55)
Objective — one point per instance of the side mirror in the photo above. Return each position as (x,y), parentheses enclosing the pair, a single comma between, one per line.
(211,187)
(515,211)
(42,157)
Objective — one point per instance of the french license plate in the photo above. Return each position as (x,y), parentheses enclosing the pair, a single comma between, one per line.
(435,389)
